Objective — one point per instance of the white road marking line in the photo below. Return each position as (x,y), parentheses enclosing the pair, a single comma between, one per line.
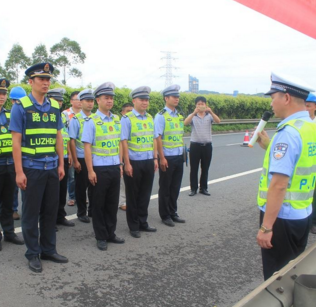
(155,196)
(234,144)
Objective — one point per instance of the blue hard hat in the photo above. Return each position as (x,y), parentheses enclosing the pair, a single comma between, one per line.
(17,92)
(311,98)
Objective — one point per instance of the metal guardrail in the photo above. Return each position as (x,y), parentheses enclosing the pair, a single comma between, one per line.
(245,121)
(278,290)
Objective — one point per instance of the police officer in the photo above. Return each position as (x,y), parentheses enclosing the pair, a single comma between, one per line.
(7,174)
(288,177)
(101,138)
(86,98)
(311,108)
(58,95)
(126,107)
(39,164)
(140,161)
(69,113)
(169,133)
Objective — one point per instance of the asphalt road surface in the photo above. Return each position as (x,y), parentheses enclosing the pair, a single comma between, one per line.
(211,260)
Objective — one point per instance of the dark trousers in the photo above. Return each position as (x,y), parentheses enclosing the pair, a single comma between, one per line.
(63,194)
(314,209)
(138,190)
(7,186)
(200,153)
(169,187)
(105,197)
(40,204)
(289,241)
(81,185)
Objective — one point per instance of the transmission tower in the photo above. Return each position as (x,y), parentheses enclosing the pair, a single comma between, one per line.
(168,75)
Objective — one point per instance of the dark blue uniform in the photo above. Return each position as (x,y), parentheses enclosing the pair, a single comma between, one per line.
(42,191)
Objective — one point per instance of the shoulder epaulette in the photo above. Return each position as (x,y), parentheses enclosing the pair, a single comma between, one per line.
(162,111)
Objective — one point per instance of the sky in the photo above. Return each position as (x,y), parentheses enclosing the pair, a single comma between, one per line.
(224,44)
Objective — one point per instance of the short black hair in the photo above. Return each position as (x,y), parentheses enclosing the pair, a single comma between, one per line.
(200,98)
(74,94)
(125,105)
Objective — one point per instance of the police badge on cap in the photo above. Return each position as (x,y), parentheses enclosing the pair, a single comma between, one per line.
(43,70)
(4,84)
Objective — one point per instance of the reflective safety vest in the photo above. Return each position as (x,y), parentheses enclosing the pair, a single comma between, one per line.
(5,138)
(81,121)
(41,129)
(65,135)
(173,132)
(107,136)
(142,133)
(68,115)
(300,192)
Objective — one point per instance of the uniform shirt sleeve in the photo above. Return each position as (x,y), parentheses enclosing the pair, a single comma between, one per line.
(285,151)
(17,118)
(159,125)
(125,128)
(74,129)
(88,133)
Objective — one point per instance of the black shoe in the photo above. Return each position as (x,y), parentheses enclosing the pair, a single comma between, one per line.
(35,264)
(14,239)
(0,246)
(177,219)
(84,219)
(205,192)
(148,229)
(169,222)
(65,222)
(102,245)
(192,193)
(55,258)
(116,240)
(135,233)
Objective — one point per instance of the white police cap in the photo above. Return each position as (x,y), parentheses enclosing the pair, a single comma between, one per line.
(57,93)
(172,90)
(141,92)
(86,94)
(106,88)
(293,87)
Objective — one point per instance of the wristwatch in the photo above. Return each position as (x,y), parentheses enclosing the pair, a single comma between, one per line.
(265,229)
(122,163)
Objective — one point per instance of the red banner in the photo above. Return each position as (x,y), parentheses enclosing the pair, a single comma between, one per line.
(297,14)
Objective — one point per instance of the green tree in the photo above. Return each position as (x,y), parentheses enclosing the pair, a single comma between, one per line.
(65,54)
(16,61)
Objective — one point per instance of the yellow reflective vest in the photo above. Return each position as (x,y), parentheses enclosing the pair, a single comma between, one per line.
(64,133)
(107,136)
(300,192)
(173,132)
(5,138)
(81,121)
(142,133)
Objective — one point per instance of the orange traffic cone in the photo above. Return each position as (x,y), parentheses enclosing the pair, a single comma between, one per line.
(246,139)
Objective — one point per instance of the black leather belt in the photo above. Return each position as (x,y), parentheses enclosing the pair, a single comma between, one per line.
(202,144)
